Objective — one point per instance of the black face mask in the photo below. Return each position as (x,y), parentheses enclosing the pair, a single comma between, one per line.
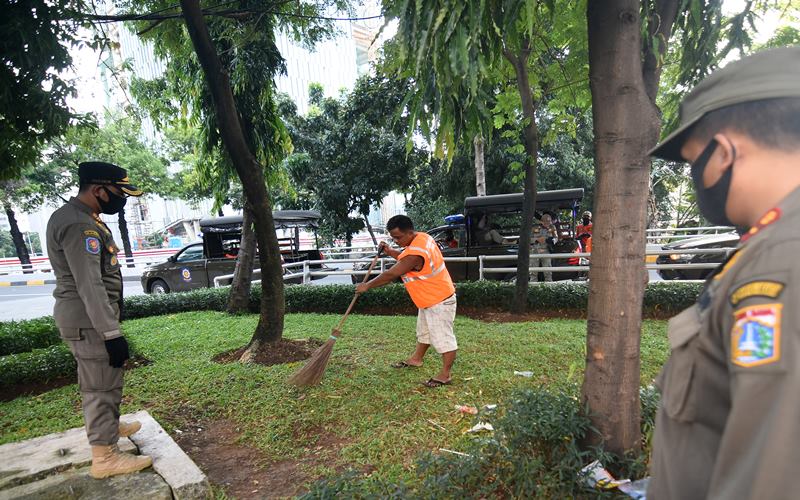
(586,221)
(711,200)
(114,204)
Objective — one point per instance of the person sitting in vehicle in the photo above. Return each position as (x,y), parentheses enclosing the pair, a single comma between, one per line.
(450,239)
(489,233)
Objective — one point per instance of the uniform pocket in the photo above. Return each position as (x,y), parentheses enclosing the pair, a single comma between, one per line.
(678,374)
(70,333)
(94,372)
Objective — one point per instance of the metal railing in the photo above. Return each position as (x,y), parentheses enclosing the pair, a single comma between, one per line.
(307,272)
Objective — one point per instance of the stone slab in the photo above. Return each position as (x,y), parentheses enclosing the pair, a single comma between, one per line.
(179,471)
(78,485)
(36,458)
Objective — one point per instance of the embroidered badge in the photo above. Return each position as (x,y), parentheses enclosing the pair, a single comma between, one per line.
(89,232)
(93,245)
(114,260)
(186,274)
(756,335)
(768,218)
(771,289)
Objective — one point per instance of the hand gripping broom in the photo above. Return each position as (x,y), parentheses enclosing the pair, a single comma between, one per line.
(311,373)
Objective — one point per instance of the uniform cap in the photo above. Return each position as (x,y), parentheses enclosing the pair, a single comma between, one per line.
(770,74)
(103,173)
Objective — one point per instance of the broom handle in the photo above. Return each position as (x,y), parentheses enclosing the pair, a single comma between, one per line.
(355,297)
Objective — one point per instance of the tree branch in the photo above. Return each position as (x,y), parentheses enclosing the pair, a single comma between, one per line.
(659,26)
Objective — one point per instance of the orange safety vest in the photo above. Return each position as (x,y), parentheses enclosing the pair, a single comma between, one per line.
(431,284)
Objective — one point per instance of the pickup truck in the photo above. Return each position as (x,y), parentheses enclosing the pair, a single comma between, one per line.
(197,264)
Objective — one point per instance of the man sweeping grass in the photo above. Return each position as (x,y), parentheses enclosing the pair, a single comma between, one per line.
(421,267)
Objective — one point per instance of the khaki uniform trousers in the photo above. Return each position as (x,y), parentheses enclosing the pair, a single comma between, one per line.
(100,385)
(541,262)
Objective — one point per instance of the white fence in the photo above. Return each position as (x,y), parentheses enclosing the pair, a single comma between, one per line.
(305,270)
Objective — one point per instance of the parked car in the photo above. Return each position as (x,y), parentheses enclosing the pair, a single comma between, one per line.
(680,255)
(505,212)
(196,265)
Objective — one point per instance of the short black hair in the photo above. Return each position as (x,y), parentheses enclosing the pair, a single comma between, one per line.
(772,123)
(401,222)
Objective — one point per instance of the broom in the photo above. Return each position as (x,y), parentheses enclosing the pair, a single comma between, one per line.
(311,373)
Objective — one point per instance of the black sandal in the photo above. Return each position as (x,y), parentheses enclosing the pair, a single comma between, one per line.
(432,383)
(402,364)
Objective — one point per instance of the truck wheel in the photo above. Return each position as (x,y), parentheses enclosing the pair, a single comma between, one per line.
(158,287)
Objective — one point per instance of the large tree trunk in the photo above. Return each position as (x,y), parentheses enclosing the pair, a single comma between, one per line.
(239,299)
(19,240)
(251,175)
(520,63)
(126,237)
(480,170)
(626,125)
(371,232)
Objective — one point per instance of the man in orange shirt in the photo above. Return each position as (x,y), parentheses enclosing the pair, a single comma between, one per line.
(421,267)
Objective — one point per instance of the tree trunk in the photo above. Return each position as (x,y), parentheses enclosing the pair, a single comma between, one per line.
(251,175)
(239,299)
(626,125)
(480,171)
(126,237)
(19,240)
(371,232)
(531,132)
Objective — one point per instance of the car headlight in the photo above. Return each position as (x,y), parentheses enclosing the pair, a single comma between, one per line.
(680,256)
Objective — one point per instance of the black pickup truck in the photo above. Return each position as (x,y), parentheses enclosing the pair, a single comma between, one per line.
(196,265)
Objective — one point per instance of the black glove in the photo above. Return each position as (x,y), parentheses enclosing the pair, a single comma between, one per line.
(117,351)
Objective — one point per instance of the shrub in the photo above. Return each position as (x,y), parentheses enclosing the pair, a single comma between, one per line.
(660,298)
(38,365)
(22,336)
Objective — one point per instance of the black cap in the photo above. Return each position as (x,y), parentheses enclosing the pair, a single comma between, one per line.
(104,173)
(769,74)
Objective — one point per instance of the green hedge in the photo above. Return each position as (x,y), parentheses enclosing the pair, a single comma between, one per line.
(660,297)
(38,365)
(23,336)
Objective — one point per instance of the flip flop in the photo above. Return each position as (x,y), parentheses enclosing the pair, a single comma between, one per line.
(402,364)
(432,382)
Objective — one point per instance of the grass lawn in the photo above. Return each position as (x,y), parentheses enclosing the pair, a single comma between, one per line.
(379,418)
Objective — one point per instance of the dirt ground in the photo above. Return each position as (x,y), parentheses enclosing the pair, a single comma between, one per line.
(242,471)
(283,351)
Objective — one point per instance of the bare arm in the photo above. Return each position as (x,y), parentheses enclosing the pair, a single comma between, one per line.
(407,264)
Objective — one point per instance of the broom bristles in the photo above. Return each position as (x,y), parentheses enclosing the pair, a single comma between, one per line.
(311,373)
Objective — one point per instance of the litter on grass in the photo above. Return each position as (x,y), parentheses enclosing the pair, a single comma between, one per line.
(523,374)
(481,426)
(636,490)
(471,410)
(597,476)
(490,407)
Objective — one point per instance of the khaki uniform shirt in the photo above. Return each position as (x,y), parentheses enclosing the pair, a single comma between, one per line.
(88,277)
(729,422)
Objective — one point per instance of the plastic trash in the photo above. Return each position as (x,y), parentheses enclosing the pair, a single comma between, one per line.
(636,489)
(596,476)
(481,426)
(470,410)
(524,374)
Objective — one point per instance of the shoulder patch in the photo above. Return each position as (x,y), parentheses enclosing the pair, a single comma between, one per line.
(89,232)
(770,289)
(93,245)
(756,335)
(729,264)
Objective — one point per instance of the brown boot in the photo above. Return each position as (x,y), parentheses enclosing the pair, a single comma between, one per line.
(127,429)
(109,461)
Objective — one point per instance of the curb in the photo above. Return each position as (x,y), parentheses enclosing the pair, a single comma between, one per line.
(51,282)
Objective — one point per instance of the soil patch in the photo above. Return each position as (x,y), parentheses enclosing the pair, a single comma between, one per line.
(498,316)
(243,470)
(40,387)
(283,351)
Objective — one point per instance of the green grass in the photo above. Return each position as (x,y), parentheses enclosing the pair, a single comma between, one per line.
(381,416)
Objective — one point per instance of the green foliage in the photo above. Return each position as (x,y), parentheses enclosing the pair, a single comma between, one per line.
(38,365)
(7,248)
(23,336)
(660,298)
(33,92)
(349,153)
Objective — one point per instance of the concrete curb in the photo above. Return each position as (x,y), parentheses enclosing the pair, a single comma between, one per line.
(51,282)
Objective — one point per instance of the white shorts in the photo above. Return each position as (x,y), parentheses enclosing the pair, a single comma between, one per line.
(435,325)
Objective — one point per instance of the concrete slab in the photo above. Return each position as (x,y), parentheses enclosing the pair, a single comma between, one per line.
(36,458)
(169,461)
(77,484)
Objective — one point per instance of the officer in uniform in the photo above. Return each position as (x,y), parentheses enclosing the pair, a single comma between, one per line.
(88,298)
(728,426)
